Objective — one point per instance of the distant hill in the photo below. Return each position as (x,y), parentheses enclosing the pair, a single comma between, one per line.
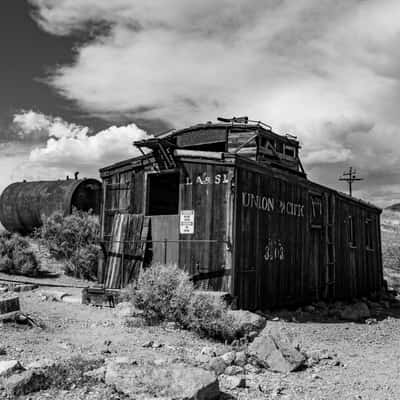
(394,207)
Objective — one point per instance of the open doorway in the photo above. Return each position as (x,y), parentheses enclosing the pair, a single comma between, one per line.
(163,193)
(163,209)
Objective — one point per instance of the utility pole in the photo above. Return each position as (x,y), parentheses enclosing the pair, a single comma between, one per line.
(350,176)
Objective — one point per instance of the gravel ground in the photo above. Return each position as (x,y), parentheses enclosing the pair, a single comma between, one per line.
(366,365)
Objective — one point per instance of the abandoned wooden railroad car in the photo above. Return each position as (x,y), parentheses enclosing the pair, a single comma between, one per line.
(230,203)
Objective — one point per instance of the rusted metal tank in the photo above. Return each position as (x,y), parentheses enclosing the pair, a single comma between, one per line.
(23,204)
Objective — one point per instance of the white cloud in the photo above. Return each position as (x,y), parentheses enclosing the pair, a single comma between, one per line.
(31,125)
(70,148)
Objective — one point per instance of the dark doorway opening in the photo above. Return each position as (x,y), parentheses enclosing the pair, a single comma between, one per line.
(163,193)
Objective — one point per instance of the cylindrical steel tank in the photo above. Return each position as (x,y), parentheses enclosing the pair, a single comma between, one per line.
(23,204)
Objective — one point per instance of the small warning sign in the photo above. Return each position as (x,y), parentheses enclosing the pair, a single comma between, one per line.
(187,222)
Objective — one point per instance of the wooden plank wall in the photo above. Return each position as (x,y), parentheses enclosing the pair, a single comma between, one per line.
(270,244)
(165,227)
(279,255)
(358,268)
(206,189)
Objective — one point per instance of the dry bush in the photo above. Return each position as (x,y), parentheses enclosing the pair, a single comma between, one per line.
(16,257)
(163,292)
(73,238)
(166,293)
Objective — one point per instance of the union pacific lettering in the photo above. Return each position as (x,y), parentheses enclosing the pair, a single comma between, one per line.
(270,204)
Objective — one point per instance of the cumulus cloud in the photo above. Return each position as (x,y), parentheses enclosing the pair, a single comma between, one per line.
(35,126)
(325,71)
(70,147)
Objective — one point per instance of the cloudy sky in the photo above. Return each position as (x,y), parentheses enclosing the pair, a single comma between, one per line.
(81,79)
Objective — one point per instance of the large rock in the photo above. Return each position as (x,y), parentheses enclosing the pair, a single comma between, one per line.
(355,312)
(7,368)
(25,382)
(174,381)
(275,351)
(245,322)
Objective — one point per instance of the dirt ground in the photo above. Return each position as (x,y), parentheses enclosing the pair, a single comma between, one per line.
(368,355)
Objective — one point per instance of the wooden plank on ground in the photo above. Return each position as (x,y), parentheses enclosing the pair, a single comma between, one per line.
(9,304)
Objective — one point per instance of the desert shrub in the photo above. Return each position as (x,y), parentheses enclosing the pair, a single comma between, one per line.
(209,317)
(16,257)
(166,293)
(163,293)
(75,239)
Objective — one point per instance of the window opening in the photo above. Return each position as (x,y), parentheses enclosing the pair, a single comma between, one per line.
(351,232)
(290,151)
(316,211)
(369,243)
(163,193)
(279,146)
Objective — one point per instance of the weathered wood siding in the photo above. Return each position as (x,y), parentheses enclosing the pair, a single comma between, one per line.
(205,254)
(271,239)
(283,253)
(358,267)
(123,194)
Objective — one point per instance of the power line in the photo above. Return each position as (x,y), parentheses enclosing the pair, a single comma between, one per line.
(350,176)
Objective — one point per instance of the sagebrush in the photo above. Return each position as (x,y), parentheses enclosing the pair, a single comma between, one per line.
(166,293)
(75,239)
(16,257)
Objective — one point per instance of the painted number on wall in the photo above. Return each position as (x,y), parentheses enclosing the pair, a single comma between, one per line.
(274,250)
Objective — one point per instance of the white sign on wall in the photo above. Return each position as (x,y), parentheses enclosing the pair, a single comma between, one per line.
(187,222)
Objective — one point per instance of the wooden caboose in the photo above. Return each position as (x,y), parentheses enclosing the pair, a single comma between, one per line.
(230,203)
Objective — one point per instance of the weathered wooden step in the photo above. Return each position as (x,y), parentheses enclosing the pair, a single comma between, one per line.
(9,304)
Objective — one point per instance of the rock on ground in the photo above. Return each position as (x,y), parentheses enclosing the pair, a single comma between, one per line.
(275,351)
(25,382)
(245,322)
(176,381)
(7,368)
(355,312)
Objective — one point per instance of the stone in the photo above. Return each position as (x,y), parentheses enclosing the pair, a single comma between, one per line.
(240,358)
(252,369)
(97,374)
(217,364)
(355,312)
(133,322)
(25,382)
(209,351)
(202,358)
(245,322)
(233,370)
(229,357)
(275,351)
(233,382)
(53,295)
(252,335)
(41,364)
(177,381)
(125,309)
(7,368)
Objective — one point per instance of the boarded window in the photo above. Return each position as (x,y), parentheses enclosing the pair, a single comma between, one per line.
(290,151)
(279,146)
(351,231)
(316,211)
(163,193)
(369,230)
